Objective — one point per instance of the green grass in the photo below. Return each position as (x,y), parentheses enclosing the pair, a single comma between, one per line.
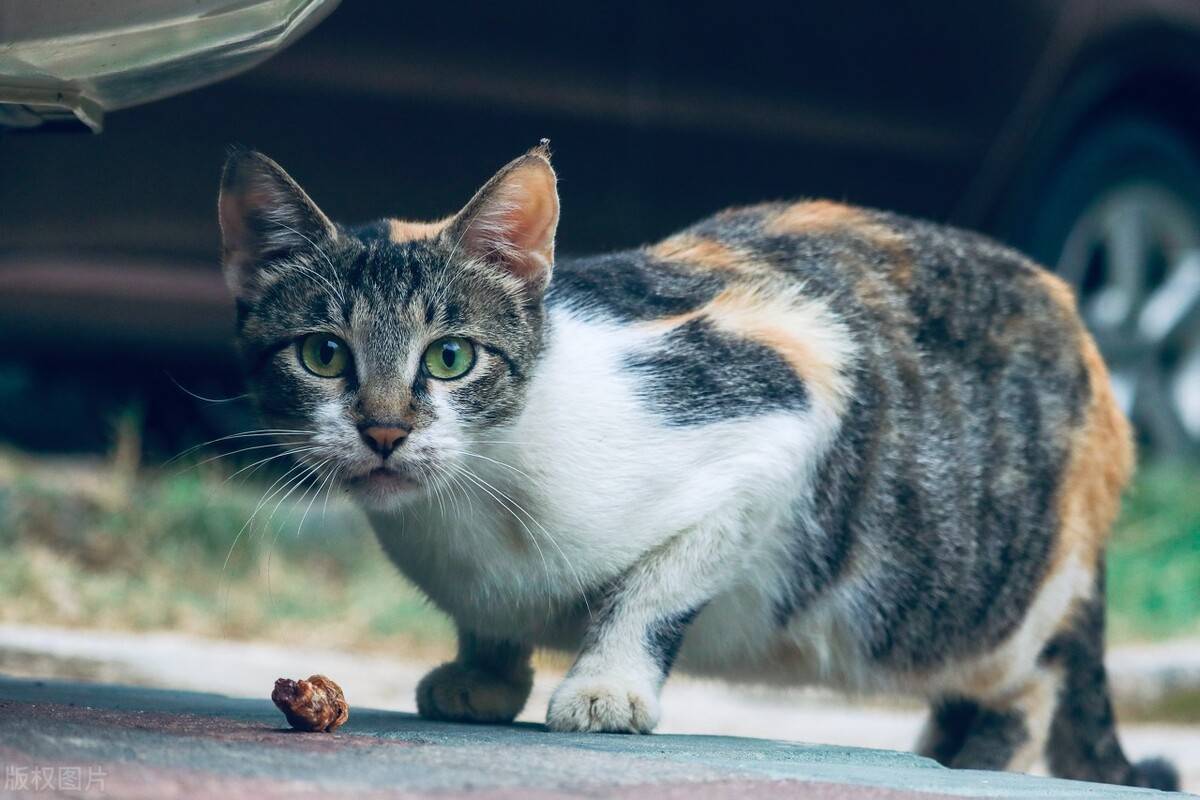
(98,544)
(87,546)
(1154,558)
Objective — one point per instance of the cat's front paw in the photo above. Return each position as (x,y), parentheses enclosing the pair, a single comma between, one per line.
(603,705)
(462,693)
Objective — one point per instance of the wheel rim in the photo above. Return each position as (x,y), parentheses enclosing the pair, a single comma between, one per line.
(1133,256)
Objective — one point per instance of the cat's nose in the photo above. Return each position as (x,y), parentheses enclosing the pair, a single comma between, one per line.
(383,439)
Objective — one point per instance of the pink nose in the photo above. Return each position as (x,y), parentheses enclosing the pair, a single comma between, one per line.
(383,439)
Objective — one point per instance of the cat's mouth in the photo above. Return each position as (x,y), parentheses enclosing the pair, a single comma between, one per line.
(383,479)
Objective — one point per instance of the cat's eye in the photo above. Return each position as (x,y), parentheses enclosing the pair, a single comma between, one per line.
(449,358)
(324,355)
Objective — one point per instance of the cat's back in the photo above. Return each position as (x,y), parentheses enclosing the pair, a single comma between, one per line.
(840,295)
(946,286)
(856,289)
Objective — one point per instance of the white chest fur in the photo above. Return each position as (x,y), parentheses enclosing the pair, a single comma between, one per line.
(586,481)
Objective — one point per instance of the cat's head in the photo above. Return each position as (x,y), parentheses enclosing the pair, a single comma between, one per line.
(383,354)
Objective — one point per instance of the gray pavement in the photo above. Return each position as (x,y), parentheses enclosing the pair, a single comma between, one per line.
(690,706)
(142,742)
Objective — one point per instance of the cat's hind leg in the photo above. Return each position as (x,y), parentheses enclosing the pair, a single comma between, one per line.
(1004,732)
(1061,710)
(946,728)
(1083,742)
(489,681)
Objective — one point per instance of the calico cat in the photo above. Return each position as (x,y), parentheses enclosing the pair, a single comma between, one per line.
(795,442)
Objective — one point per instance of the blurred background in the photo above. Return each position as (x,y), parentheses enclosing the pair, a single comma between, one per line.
(1067,128)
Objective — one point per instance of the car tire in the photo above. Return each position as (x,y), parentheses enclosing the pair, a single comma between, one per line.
(1120,221)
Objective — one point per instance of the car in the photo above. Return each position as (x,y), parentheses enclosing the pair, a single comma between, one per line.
(64,65)
(1067,128)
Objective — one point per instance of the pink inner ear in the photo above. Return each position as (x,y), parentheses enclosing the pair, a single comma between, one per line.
(232,219)
(516,224)
(234,207)
(532,222)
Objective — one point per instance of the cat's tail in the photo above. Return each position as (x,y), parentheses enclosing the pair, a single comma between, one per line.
(1083,742)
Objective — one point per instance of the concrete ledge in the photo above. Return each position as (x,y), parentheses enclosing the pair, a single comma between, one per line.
(133,742)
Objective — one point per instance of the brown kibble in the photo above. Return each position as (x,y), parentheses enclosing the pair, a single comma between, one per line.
(316,704)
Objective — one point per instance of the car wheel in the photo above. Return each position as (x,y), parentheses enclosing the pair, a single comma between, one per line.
(1120,221)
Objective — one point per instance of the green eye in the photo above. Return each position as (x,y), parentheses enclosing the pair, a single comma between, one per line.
(324,355)
(449,358)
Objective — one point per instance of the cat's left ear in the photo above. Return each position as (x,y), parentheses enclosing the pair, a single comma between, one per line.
(511,222)
(264,216)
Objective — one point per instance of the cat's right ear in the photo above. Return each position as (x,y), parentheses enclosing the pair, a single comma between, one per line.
(511,222)
(264,216)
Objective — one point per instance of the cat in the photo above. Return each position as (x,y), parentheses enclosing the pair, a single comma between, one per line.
(795,442)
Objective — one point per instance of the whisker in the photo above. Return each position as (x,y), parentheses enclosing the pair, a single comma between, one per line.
(437,484)
(316,495)
(257,465)
(307,270)
(497,441)
(242,435)
(453,486)
(466,473)
(550,537)
(219,456)
(233,545)
(188,391)
(466,492)
(321,252)
(325,507)
(296,484)
(262,501)
(492,460)
(457,243)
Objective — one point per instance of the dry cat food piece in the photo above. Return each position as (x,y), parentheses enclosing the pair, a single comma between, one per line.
(316,704)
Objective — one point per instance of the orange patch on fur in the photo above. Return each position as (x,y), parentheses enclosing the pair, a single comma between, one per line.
(401,231)
(982,681)
(1101,459)
(815,216)
(701,252)
(825,216)
(777,323)
(1059,290)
